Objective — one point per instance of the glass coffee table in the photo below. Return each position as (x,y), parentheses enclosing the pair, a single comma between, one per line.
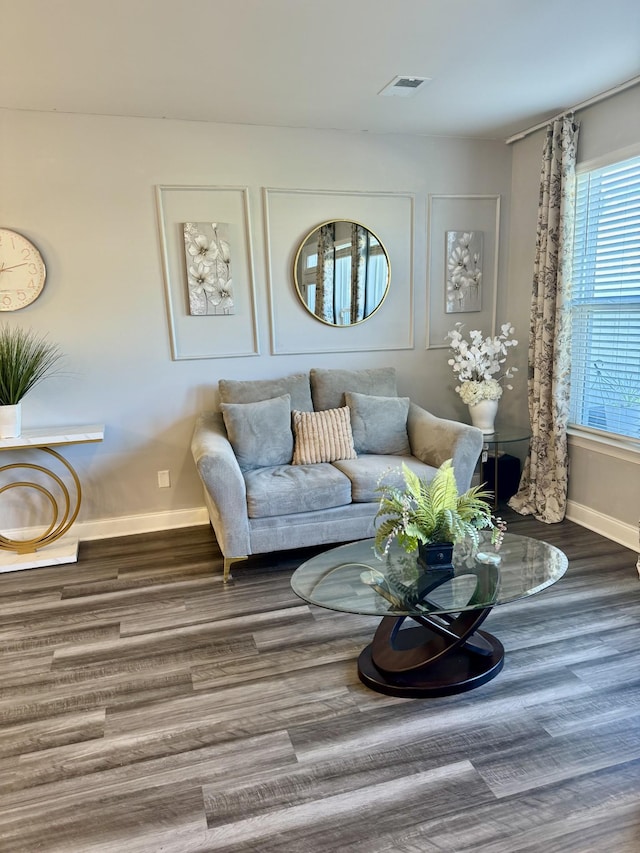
(428,642)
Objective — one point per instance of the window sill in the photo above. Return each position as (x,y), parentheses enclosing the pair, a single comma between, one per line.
(608,445)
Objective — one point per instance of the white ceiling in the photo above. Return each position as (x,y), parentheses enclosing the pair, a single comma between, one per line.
(498,66)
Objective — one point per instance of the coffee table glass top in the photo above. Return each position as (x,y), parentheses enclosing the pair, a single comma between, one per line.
(352,579)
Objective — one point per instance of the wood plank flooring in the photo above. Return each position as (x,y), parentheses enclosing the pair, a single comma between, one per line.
(146,707)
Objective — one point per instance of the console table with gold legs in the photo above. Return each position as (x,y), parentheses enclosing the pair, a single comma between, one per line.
(61,492)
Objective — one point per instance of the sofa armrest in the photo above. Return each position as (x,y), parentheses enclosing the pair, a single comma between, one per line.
(224,484)
(434,440)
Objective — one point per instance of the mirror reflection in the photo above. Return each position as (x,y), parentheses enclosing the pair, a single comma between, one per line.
(341,272)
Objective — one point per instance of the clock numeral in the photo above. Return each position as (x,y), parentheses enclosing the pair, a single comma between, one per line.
(22,271)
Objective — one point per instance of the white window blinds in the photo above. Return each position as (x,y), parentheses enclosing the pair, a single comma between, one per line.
(605,360)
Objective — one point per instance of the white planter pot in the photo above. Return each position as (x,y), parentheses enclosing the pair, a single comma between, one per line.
(10,421)
(483,415)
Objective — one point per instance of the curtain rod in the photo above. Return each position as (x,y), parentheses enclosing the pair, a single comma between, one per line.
(596,98)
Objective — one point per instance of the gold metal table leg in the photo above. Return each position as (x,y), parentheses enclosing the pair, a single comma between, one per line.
(63,516)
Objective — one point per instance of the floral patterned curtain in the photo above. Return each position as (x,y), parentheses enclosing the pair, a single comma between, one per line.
(325,275)
(543,487)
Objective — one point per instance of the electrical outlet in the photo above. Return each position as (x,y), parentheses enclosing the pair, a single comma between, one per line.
(164,480)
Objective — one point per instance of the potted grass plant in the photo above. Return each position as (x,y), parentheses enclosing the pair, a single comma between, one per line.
(430,517)
(26,358)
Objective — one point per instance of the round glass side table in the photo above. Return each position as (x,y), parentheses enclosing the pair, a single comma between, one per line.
(504,435)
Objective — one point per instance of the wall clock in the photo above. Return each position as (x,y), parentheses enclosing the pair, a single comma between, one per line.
(22,271)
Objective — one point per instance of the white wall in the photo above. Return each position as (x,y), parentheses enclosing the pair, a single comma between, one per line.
(604,483)
(82,188)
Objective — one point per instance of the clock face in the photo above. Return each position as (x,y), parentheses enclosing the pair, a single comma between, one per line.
(22,271)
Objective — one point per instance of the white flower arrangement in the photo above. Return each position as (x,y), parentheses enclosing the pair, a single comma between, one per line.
(477,361)
(472,392)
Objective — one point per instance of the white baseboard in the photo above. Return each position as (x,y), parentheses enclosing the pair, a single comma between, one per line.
(127,525)
(605,525)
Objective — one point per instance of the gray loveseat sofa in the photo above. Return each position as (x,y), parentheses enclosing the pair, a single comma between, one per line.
(259,501)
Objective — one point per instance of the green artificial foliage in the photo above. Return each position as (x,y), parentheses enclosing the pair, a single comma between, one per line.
(25,360)
(423,512)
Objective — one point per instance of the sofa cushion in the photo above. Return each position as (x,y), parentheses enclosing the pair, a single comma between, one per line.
(328,386)
(296,385)
(287,489)
(322,436)
(260,433)
(366,473)
(379,424)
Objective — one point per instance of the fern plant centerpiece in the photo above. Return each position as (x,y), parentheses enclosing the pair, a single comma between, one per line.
(25,360)
(431,513)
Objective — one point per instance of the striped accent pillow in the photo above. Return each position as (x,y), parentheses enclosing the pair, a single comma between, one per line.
(322,436)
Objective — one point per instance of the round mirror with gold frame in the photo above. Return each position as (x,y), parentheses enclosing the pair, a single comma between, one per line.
(341,272)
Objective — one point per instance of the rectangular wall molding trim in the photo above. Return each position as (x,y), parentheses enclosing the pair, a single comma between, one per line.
(461,213)
(290,216)
(208,336)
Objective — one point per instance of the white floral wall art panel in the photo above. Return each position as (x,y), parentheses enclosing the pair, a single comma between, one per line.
(463,272)
(218,220)
(208,265)
(480,214)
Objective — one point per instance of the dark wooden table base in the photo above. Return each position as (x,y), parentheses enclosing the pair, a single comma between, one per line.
(416,662)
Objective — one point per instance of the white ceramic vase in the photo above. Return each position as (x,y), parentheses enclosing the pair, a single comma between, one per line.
(483,415)
(10,421)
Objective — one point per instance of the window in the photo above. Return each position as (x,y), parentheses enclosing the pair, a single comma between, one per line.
(605,304)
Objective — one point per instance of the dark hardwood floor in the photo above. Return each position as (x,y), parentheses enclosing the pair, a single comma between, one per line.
(146,707)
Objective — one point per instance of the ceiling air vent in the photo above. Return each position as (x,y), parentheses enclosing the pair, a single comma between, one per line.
(404,87)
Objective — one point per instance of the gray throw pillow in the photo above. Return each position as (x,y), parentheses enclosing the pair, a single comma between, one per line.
(379,424)
(260,433)
(252,391)
(328,386)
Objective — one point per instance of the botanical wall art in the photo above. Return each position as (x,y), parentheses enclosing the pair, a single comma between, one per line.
(451,262)
(204,238)
(208,265)
(463,272)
